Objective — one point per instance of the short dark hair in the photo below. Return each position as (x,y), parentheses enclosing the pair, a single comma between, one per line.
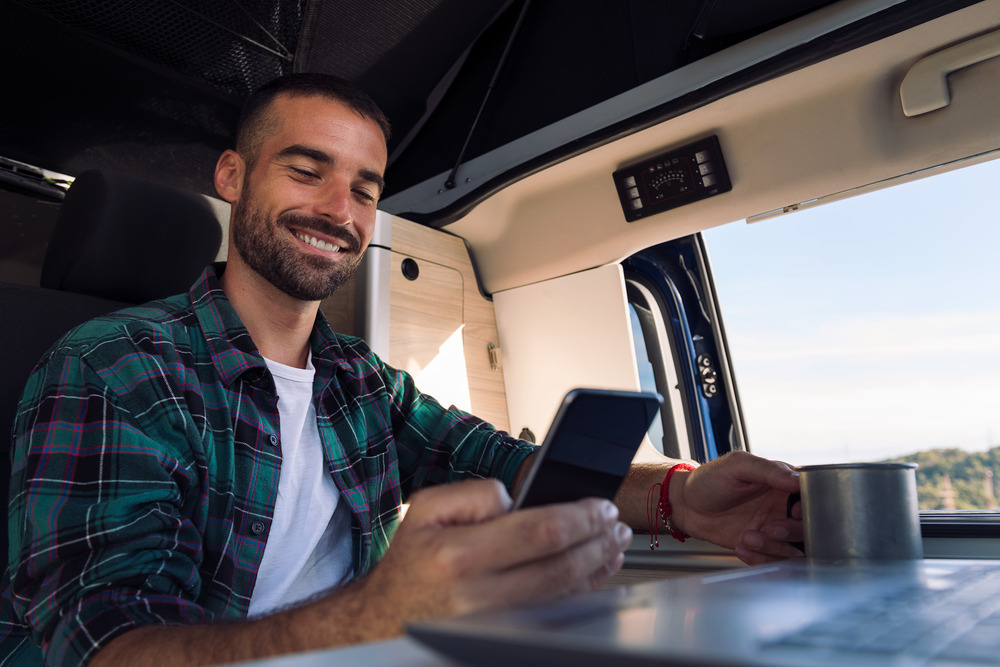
(256,122)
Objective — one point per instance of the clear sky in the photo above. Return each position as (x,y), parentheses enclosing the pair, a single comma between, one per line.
(870,327)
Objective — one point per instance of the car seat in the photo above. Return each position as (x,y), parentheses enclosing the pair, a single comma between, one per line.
(119,240)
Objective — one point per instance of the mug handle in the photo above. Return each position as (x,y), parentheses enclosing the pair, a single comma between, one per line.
(792,499)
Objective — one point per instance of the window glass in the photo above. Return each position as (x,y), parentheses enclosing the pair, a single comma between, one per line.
(647,375)
(869,329)
(654,352)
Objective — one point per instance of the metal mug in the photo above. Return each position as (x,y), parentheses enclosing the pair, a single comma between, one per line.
(860,511)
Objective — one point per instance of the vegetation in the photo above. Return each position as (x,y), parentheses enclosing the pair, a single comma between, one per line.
(955,479)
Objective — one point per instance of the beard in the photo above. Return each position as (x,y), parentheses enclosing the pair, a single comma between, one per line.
(298,274)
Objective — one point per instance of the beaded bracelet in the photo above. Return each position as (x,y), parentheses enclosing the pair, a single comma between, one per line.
(662,508)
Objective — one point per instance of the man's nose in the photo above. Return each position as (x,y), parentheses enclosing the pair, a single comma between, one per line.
(334,202)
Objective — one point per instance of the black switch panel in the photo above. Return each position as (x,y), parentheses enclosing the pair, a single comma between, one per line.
(689,174)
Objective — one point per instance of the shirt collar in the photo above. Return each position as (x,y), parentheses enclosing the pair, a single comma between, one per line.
(233,350)
(327,349)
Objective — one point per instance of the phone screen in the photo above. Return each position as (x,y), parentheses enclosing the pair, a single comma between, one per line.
(590,446)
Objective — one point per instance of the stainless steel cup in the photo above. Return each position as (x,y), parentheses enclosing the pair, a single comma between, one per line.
(861,511)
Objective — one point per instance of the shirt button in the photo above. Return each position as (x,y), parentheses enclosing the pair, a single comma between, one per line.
(274,439)
(257,527)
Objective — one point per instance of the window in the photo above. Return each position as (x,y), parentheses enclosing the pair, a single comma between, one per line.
(658,371)
(680,350)
(869,329)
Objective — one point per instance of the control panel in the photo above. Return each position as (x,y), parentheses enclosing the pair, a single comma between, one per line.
(682,176)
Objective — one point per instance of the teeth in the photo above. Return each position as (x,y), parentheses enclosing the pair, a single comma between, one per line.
(316,243)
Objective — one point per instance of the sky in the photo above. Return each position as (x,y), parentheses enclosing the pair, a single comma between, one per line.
(870,327)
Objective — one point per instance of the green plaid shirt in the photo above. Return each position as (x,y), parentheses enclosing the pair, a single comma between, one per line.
(145,469)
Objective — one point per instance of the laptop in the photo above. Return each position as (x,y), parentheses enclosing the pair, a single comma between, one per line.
(794,613)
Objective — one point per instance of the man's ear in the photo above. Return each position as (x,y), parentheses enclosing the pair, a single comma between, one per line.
(230,171)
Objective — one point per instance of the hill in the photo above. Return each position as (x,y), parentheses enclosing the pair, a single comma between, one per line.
(955,479)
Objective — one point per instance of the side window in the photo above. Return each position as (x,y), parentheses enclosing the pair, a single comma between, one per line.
(658,372)
(866,329)
(681,350)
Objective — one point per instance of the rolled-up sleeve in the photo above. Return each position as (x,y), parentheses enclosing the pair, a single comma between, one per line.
(102,537)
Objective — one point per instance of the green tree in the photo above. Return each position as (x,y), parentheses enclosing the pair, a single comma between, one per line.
(972,475)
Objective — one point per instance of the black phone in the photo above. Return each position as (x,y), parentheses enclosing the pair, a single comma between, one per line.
(589,447)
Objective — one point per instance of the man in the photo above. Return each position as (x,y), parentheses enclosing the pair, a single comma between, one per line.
(217,476)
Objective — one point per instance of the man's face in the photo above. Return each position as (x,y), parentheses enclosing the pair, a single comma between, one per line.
(306,212)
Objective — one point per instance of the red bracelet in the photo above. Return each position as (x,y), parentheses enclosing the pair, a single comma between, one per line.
(661,506)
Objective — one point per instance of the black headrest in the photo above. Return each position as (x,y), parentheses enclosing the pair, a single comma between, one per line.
(130,239)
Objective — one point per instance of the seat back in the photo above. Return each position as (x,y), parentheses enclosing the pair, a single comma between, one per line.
(127,238)
(33,319)
(119,240)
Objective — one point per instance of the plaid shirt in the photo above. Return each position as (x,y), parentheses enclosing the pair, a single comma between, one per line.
(146,459)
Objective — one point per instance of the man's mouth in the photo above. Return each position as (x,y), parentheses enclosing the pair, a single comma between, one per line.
(317,243)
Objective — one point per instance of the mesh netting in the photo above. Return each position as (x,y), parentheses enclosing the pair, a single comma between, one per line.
(236,45)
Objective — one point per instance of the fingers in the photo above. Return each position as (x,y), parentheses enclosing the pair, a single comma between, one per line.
(579,569)
(786,530)
(771,543)
(729,480)
(539,532)
(730,494)
(776,474)
(480,555)
(796,510)
(782,476)
(461,503)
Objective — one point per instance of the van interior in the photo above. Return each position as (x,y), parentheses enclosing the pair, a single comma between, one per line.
(555,170)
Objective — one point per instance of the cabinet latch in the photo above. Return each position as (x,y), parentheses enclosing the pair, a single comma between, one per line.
(495,359)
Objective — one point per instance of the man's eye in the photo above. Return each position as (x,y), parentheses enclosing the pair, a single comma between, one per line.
(366,195)
(304,173)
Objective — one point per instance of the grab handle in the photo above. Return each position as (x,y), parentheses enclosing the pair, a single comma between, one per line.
(925,86)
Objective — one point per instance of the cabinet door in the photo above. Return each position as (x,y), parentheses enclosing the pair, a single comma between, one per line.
(426,328)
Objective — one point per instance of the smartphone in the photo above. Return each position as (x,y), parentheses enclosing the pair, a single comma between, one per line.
(589,447)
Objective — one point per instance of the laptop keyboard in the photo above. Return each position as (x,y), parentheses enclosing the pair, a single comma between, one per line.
(954,625)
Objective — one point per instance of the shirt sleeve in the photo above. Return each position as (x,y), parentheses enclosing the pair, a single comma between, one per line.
(436,445)
(99,542)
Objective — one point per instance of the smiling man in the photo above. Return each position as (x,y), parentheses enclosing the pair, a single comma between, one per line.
(304,188)
(322,191)
(217,476)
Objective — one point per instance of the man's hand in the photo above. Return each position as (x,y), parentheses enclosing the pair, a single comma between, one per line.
(461,550)
(739,501)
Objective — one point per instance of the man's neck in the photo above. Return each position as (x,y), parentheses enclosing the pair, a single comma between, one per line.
(279,325)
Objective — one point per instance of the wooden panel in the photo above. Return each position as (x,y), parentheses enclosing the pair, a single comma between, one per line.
(339,308)
(486,386)
(425,329)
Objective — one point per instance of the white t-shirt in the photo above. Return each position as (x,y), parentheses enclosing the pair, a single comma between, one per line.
(309,546)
